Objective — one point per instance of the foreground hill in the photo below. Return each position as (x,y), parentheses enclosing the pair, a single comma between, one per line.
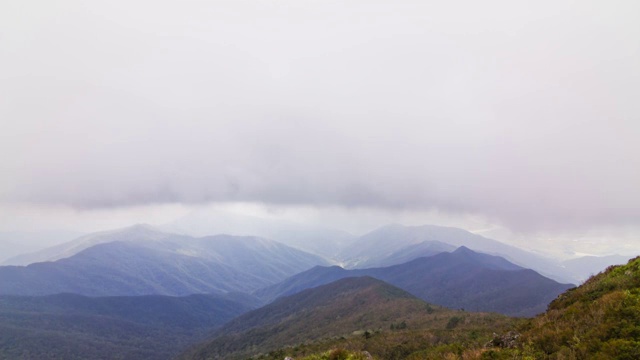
(68,326)
(164,264)
(345,308)
(461,279)
(598,320)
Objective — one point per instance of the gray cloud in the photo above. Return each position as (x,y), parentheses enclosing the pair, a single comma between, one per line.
(526,113)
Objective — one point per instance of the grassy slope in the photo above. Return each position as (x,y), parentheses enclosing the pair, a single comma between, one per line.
(348,312)
(598,320)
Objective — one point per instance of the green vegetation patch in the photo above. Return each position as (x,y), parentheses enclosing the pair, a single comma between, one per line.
(598,320)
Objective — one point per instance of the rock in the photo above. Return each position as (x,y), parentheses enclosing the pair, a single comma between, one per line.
(505,341)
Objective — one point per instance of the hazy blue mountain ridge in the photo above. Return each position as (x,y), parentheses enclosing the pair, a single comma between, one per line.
(461,279)
(170,265)
(316,276)
(321,240)
(381,244)
(67,249)
(15,245)
(386,246)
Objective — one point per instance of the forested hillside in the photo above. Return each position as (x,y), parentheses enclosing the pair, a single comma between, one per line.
(69,326)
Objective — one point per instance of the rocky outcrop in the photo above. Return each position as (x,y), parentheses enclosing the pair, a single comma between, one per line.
(505,341)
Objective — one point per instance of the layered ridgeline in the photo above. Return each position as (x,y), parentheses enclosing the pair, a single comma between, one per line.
(142,261)
(70,248)
(68,326)
(321,240)
(396,244)
(349,309)
(15,243)
(386,246)
(460,279)
(597,320)
(381,246)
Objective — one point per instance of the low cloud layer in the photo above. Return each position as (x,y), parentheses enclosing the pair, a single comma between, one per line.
(524,113)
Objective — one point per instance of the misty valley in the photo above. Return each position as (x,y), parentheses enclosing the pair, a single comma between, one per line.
(398,292)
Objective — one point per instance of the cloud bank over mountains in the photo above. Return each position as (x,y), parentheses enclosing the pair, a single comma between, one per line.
(526,114)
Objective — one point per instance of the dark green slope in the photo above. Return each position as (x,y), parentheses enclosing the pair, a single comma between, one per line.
(171,265)
(335,309)
(344,308)
(597,320)
(68,326)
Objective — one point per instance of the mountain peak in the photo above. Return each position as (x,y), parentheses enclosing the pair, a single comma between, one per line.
(466,253)
(464,250)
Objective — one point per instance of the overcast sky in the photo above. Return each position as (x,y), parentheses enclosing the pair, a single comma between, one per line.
(523,113)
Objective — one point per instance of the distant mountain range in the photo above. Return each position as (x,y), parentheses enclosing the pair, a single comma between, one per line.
(16,243)
(381,244)
(141,283)
(405,254)
(584,267)
(597,320)
(69,326)
(386,246)
(141,260)
(461,279)
(321,240)
(70,248)
(147,261)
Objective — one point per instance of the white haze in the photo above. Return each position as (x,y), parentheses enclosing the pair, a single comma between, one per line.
(521,114)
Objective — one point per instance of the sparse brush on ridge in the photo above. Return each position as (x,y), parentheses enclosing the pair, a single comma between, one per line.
(350,314)
(598,320)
